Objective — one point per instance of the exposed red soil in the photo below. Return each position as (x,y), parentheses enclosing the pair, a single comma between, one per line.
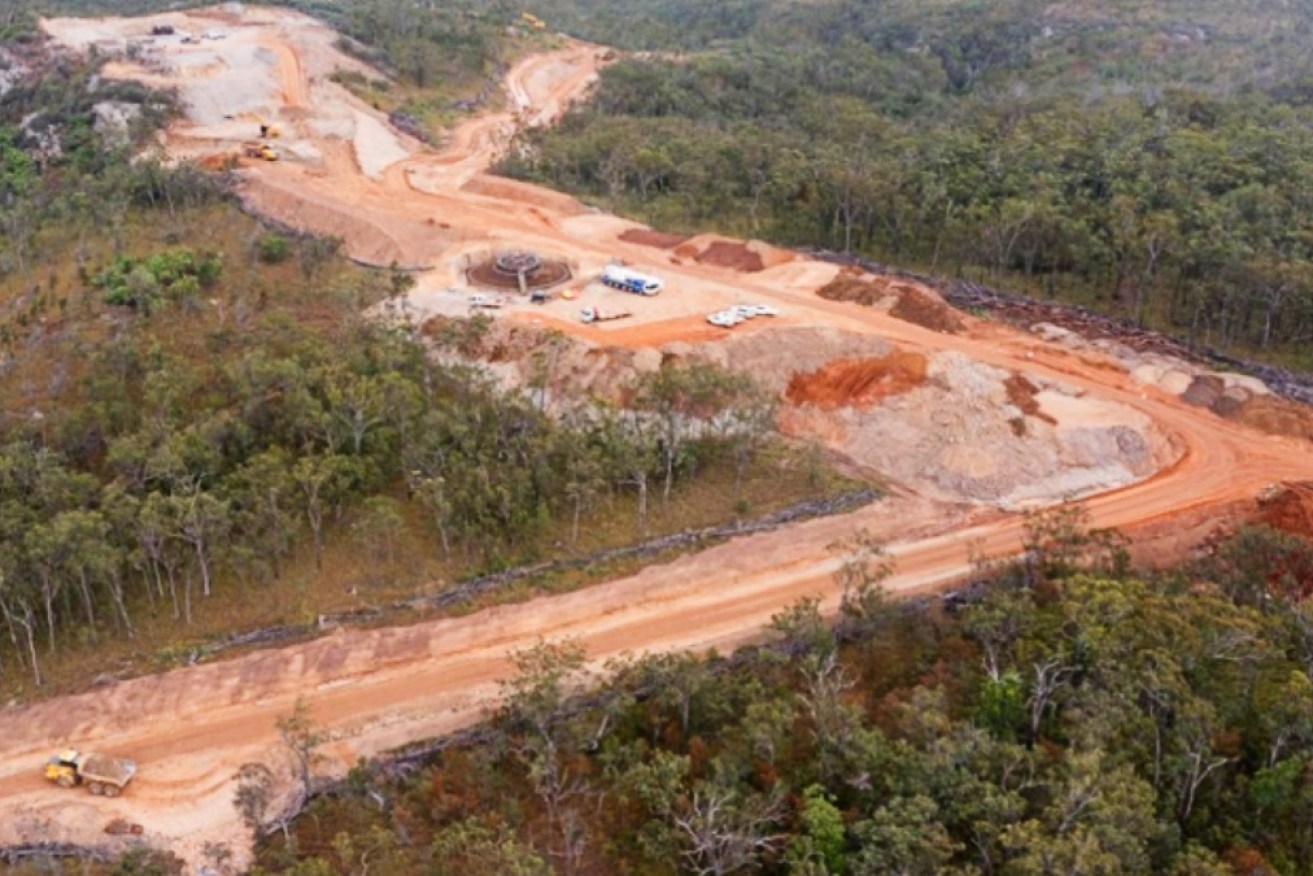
(220,161)
(1021,392)
(850,286)
(857,383)
(912,303)
(1290,508)
(652,237)
(927,310)
(735,256)
(1276,416)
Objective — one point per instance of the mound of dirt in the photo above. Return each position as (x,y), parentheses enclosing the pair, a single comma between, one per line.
(927,310)
(653,238)
(857,383)
(1276,416)
(854,287)
(1289,507)
(735,256)
(1204,391)
(905,301)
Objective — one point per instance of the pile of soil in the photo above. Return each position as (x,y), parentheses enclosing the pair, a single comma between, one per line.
(926,310)
(651,237)
(857,383)
(910,303)
(850,286)
(1289,508)
(1267,413)
(1276,416)
(735,256)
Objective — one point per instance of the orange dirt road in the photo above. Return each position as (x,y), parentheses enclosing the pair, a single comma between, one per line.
(191,729)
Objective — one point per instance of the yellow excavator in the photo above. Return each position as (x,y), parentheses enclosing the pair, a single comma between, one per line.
(267,129)
(533,21)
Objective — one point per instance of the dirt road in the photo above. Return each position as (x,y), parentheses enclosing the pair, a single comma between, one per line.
(192,728)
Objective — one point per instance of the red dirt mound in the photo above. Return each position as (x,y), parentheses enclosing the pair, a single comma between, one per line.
(926,310)
(911,303)
(849,286)
(857,383)
(1289,508)
(1276,416)
(735,256)
(651,237)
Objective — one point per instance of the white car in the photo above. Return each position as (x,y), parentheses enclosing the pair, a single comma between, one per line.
(764,310)
(725,318)
(746,311)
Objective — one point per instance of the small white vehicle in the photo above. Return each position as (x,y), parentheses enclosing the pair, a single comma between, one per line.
(481,300)
(725,318)
(764,310)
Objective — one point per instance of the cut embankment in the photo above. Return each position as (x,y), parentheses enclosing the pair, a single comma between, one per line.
(960,430)
(943,424)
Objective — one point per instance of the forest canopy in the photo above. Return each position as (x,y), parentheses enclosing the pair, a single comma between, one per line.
(1148,158)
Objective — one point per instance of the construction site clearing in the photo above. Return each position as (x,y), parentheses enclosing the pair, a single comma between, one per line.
(969,422)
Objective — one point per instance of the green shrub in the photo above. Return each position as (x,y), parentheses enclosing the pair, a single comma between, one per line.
(172,275)
(274,249)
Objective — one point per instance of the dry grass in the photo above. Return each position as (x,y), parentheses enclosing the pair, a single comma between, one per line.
(51,317)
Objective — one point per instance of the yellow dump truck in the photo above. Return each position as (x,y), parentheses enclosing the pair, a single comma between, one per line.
(101,773)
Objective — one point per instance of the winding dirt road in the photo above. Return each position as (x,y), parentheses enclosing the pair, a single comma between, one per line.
(374,689)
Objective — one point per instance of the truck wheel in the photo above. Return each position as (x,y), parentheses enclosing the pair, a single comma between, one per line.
(111,790)
(96,788)
(65,781)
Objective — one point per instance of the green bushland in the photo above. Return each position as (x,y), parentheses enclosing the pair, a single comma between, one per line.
(1066,717)
(1147,159)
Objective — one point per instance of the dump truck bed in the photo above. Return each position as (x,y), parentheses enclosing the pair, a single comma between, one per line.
(102,768)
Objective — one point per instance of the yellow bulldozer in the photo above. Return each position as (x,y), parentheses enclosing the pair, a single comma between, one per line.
(263,151)
(100,773)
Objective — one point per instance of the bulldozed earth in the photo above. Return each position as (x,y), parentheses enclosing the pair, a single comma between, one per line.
(969,421)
